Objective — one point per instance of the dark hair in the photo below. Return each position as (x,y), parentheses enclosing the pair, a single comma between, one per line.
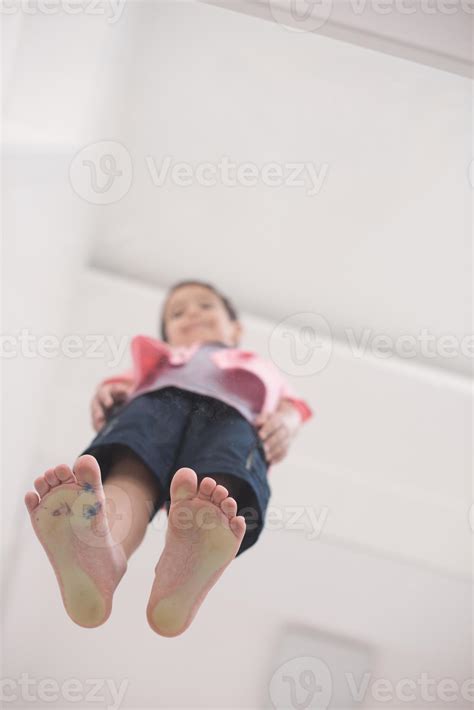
(231,311)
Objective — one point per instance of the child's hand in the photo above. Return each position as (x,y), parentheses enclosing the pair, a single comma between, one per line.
(277,430)
(104,399)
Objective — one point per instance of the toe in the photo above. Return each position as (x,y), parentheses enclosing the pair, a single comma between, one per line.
(51,477)
(64,473)
(220,493)
(238,526)
(32,500)
(183,485)
(87,471)
(206,488)
(229,507)
(41,485)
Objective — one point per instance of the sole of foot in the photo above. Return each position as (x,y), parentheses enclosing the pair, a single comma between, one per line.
(203,536)
(68,515)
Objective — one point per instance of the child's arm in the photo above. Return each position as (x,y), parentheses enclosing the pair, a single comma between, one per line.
(114,390)
(279,428)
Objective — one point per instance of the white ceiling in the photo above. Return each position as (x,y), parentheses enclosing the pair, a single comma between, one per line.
(434,32)
(382,249)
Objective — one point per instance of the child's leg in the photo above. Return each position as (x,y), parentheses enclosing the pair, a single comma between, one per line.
(130,491)
(205,532)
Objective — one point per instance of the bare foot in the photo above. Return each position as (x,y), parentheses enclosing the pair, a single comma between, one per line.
(203,537)
(68,515)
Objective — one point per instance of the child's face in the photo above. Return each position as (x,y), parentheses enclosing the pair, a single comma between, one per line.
(194,313)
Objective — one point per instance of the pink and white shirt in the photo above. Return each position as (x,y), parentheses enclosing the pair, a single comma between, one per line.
(241,378)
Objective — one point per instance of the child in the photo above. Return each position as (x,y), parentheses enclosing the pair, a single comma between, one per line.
(194,427)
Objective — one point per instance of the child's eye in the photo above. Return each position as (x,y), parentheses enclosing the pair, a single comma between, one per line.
(206,305)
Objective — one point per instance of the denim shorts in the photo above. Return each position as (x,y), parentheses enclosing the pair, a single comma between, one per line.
(170,428)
